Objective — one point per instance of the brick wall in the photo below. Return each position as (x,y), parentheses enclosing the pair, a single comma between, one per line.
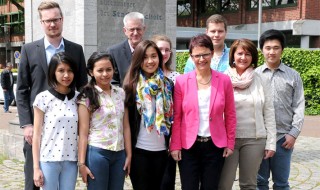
(305,9)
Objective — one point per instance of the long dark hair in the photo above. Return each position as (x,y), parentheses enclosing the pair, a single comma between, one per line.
(89,91)
(132,77)
(58,58)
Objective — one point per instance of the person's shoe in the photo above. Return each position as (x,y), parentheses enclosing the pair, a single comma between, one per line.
(8,111)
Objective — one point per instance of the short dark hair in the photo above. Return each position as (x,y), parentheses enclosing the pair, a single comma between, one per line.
(44,5)
(216,18)
(57,59)
(201,40)
(247,45)
(272,35)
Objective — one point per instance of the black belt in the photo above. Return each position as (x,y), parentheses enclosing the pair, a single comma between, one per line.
(203,139)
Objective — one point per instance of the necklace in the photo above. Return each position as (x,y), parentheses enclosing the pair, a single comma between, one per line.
(205,82)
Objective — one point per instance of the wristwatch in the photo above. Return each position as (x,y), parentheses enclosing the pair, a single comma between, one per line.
(79,164)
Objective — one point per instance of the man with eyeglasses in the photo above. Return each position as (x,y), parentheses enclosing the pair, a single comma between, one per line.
(32,74)
(121,53)
(217,31)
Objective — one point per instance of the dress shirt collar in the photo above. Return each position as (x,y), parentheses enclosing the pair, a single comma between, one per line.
(60,96)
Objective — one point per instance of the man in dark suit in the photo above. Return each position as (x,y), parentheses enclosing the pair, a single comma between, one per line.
(32,74)
(121,53)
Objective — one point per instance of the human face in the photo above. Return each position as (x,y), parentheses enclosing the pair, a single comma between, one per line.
(272,51)
(217,33)
(151,62)
(134,30)
(103,73)
(64,76)
(165,49)
(52,22)
(201,57)
(242,59)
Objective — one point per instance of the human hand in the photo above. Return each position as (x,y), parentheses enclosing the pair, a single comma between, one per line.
(176,155)
(4,90)
(38,177)
(127,166)
(289,142)
(85,172)
(227,152)
(28,133)
(268,154)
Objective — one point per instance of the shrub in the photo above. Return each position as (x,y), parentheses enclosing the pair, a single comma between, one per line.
(306,62)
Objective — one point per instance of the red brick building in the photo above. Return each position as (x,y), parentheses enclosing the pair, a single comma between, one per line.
(298,19)
(11,30)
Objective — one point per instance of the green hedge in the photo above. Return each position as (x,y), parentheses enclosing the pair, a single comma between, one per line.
(306,62)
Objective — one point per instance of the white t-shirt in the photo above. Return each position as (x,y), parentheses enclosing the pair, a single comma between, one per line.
(60,125)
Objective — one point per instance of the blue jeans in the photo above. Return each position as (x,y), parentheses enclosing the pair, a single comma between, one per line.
(59,175)
(106,167)
(8,98)
(279,165)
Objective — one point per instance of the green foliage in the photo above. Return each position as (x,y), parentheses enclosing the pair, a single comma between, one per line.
(181,60)
(305,62)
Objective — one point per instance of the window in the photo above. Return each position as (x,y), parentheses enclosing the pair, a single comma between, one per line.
(253,4)
(209,7)
(184,8)
(3,2)
(17,23)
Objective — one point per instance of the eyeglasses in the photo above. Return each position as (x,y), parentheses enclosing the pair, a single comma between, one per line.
(165,50)
(204,56)
(131,30)
(54,21)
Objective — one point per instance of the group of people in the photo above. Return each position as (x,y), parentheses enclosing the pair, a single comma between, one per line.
(137,117)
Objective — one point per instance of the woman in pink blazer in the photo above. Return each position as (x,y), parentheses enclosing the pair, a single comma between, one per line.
(203,132)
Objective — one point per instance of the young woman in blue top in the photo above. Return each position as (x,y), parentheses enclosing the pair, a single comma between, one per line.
(54,143)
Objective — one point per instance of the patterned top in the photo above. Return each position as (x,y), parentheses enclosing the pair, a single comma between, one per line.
(220,66)
(289,102)
(60,126)
(172,76)
(106,123)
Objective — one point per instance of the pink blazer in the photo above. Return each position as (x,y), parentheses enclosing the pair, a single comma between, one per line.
(186,112)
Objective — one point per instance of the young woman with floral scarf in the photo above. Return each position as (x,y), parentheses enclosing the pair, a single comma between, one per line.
(149,101)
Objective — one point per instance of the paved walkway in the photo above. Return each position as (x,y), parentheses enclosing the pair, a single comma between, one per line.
(305,168)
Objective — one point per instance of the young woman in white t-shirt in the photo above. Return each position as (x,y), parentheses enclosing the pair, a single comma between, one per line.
(54,143)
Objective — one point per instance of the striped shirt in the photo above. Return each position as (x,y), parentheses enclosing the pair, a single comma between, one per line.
(289,103)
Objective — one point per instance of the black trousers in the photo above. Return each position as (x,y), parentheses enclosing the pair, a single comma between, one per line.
(28,167)
(169,176)
(201,165)
(147,169)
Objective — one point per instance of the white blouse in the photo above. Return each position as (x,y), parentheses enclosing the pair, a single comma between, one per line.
(60,125)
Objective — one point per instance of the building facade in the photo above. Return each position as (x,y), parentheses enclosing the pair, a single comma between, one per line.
(298,19)
(11,31)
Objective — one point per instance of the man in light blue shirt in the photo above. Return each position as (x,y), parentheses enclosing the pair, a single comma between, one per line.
(217,31)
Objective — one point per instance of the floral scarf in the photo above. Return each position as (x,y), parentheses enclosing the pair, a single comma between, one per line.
(243,81)
(160,88)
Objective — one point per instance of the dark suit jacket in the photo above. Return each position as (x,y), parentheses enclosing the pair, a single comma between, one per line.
(32,75)
(121,55)
(7,79)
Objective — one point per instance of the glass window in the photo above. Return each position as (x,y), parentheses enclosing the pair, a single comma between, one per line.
(3,2)
(209,7)
(253,4)
(184,8)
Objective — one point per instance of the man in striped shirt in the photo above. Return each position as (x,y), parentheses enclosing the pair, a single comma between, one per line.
(289,104)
